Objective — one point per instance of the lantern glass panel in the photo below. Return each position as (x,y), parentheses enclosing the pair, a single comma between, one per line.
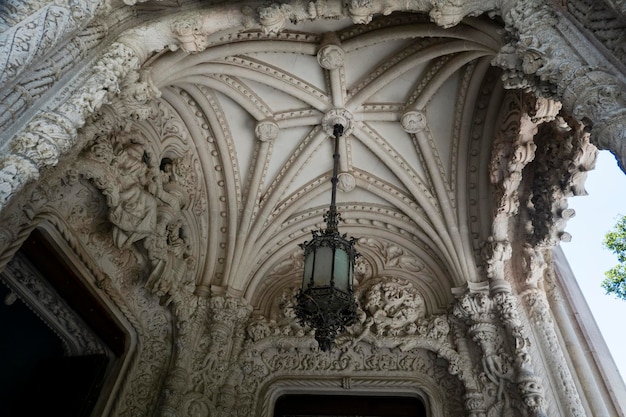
(323,267)
(308,270)
(342,267)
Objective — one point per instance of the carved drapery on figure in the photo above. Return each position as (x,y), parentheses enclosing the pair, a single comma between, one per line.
(146,200)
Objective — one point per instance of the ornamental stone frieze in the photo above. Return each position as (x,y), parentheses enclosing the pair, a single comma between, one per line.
(37,27)
(30,286)
(393,327)
(54,133)
(605,20)
(225,371)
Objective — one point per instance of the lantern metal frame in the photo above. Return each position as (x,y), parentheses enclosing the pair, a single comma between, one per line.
(325,306)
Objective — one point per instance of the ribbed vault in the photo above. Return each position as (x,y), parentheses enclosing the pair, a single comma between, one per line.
(253,105)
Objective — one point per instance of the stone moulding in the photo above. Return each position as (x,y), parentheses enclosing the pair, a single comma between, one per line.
(432,395)
(36,293)
(136,377)
(386,341)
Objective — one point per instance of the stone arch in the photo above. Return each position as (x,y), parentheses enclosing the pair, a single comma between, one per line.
(421,386)
(139,374)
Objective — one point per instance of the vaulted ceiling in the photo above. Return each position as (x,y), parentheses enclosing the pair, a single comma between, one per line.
(250,112)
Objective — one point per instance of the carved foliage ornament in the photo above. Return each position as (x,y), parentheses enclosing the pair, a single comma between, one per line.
(392,329)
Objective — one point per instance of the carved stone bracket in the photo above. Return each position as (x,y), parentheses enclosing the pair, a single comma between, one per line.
(563,158)
(540,58)
(513,149)
(534,203)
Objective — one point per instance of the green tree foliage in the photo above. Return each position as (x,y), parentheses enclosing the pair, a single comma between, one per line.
(615,240)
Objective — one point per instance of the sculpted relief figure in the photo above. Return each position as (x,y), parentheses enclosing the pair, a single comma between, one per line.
(392,305)
(146,203)
(133,211)
(393,314)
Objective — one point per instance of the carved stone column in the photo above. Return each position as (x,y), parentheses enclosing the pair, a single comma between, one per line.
(538,311)
(536,164)
(510,384)
(528,383)
(210,334)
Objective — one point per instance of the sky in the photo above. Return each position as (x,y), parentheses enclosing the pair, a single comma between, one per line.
(596,214)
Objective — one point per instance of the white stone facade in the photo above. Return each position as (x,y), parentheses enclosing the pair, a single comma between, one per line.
(176,153)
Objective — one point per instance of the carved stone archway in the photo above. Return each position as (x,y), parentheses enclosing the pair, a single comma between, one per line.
(149,146)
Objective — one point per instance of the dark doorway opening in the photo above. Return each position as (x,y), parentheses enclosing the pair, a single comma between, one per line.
(348,406)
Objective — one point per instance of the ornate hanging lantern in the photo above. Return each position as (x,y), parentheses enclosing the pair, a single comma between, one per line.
(326,300)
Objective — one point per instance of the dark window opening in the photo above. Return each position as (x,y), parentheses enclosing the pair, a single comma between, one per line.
(38,377)
(348,406)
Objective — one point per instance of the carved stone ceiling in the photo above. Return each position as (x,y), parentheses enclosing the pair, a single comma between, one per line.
(252,107)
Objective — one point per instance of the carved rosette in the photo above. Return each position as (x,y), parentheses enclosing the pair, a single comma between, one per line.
(266,130)
(338,116)
(346,182)
(413,121)
(331,57)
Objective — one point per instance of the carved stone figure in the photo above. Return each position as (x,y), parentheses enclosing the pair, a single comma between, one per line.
(133,207)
